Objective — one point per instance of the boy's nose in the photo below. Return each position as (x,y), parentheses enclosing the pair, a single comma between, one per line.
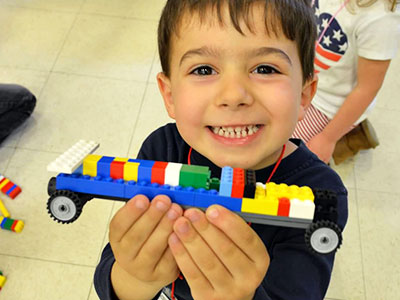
(234,94)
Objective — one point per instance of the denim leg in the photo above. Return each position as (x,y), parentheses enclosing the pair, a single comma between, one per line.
(16,105)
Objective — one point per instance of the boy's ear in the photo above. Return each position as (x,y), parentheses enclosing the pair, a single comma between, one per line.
(309,90)
(164,85)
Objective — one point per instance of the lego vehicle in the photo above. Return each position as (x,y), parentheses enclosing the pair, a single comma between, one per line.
(85,176)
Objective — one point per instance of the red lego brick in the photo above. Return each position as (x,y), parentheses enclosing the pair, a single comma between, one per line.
(13,225)
(237,183)
(7,187)
(284,207)
(117,169)
(15,192)
(158,172)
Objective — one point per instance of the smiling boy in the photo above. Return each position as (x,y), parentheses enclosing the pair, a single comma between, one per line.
(237,76)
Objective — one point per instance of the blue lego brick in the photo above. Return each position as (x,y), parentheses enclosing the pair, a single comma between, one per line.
(91,185)
(206,198)
(3,222)
(177,194)
(150,190)
(184,195)
(144,171)
(225,187)
(104,166)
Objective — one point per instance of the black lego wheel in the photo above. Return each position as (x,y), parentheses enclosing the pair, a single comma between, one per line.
(323,237)
(64,206)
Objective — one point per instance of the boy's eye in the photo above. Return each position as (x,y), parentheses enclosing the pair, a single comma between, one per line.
(203,71)
(265,69)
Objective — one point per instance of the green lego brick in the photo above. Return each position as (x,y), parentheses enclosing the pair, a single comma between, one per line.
(214,183)
(8,224)
(194,176)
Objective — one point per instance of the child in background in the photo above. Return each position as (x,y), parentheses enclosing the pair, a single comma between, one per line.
(16,105)
(353,53)
(236,78)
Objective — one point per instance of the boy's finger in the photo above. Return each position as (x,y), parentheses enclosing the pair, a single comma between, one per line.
(189,269)
(156,244)
(126,216)
(202,255)
(228,252)
(238,231)
(136,236)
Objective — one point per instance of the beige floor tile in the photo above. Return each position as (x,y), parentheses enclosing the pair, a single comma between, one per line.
(93,294)
(389,93)
(5,155)
(347,277)
(43,238)
(42,280)
(150,9)
(377,170)
(76,107)
(109,47)
(31,79)
(379,215)
(152,116)
(57,5)
(346,172)
(32,38)
(384,121)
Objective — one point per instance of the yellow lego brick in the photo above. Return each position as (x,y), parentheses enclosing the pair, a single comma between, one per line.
(121,159)
(3,280)
(260,206)
(90,164)
(131,170)
(19,226)
(4,210)
(306,193)
(4,182)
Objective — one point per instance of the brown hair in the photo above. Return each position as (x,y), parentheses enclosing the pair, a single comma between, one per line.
(293,18)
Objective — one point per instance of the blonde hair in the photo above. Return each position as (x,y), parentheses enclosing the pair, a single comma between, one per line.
(366,3)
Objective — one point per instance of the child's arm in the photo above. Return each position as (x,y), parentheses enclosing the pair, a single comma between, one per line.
(370,76)
(220,256)
(138,236)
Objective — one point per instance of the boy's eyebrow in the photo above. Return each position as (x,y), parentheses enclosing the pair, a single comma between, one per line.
(207,51)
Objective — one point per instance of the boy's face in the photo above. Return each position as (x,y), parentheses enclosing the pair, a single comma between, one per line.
(236,98)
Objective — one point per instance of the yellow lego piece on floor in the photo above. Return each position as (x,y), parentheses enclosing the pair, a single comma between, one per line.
(3,280)
(5,181)
(131,170)
(90,164)
(4,210)
(19,226)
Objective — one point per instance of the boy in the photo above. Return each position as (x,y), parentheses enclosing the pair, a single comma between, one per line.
(236,77)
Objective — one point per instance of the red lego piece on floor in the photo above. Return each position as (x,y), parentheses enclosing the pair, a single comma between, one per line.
(237,183)
(284,207)
(7,187)
(117,169)
(15,192)
(158,172)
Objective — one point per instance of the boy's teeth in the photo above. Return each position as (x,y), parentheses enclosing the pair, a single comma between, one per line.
(235,132)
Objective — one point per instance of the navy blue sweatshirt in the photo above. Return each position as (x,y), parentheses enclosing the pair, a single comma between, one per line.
(294,272)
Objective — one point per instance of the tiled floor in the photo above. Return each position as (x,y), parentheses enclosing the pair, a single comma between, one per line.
(92,59)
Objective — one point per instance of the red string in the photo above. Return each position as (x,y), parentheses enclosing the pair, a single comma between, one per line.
(277,163)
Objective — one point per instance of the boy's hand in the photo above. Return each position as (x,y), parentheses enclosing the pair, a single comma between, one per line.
(138,236)
(220,255)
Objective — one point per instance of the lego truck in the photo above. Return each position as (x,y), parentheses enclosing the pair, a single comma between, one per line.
(84,176)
